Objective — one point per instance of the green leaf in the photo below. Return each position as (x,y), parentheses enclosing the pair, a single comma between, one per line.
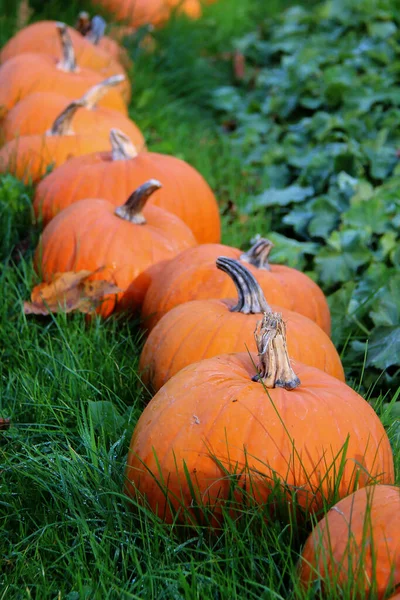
(290,252)
(105,416)
(276,197)
(384,347)
(386,310)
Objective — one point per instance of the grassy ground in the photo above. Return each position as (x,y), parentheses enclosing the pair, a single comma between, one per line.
(73,394)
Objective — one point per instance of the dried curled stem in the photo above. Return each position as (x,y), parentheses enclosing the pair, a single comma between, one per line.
(275,369)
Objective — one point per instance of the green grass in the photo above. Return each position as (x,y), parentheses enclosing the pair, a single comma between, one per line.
(72,391)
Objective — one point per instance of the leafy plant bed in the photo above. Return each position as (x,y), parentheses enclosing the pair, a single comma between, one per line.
(316,115)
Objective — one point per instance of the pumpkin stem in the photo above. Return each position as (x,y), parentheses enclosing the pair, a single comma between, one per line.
(121,146)
(62,124)
(92,29)
(251,296)
(132,209)
(83,23)
(68,60)
(258,254)
(94,95)
(274,368)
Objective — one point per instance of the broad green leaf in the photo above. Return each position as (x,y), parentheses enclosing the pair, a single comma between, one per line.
(384,347)
(277,197)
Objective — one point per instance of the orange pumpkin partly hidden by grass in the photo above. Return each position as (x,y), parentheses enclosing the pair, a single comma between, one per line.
(125,242)
(193,331)
(111,175)
(28,117)
(31,72)
(219,427)
(193,275)
(356,546)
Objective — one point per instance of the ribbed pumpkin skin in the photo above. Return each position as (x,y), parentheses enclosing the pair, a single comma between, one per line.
(357,544)
(184,193)
(202,329)
(89,236)
(29,157)
(28,117)
(192,275)
(27,73)
(214,409)
(43,37)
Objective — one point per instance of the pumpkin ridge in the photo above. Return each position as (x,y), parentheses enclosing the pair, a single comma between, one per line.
(190,331)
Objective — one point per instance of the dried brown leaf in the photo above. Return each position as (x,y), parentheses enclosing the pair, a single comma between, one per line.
(69,292)
(4,424)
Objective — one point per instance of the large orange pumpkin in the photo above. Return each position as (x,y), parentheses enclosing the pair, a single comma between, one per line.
(42,37)
(125,242)
(29,117)
(192,275)
(356,547)
(202,329)
(32,72)
(218,427)
(30,156)
(185,192)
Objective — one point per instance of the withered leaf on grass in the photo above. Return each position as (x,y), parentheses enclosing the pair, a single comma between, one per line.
(69,292)
(4,424)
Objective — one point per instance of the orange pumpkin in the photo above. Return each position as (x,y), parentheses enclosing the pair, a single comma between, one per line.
(32,72)
(125,242)
(192,331)
(218,428)
(30,156)
(93,30)
(192,275)
(185,193)
(191,8)
(136,12)
(42,37)
(356,546)
(28,117)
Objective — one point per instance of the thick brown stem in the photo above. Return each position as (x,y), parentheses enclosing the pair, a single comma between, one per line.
(258,254)
(274,369)
(62,125)
(251,297)
(83,23)
(121,146)
(132,209)
(92,29)
(95,94)
(68,60)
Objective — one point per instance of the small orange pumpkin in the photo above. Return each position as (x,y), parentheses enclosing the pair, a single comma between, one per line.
(30,156)
(42,37)
(192,331)
(356,546)
(124,242)
(111,175)
(136,12)
(192,275)
(31,72)
(217,427)
(191,8)
(28,117)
